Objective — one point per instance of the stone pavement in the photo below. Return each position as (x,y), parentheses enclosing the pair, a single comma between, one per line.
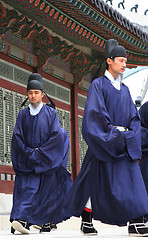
(70,230)
(66,234)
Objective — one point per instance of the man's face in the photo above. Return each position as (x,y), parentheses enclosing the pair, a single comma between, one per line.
(117,66)
(35,96)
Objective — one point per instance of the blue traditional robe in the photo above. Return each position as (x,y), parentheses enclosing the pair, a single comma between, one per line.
(110,174)
(40,149)
(144,142)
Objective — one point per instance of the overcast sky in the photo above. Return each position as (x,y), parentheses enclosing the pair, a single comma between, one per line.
(136,83)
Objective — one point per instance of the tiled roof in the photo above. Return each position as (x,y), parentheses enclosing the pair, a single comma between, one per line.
(65,27)
(123,21)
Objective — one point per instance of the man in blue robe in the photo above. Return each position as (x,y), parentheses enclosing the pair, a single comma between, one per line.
(110,186)
(40,149)
(144,144)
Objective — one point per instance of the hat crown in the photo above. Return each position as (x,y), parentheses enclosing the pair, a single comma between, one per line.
(35,76)
(113,49)
(35,81)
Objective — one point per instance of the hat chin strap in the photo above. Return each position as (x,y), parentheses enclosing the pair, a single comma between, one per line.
(51,104)
(23,103)
(96,75)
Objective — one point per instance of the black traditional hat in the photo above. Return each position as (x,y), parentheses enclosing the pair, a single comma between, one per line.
(113,49)
(35,81)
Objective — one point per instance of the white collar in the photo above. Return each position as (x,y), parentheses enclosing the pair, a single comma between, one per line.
(34,111)
(115,82)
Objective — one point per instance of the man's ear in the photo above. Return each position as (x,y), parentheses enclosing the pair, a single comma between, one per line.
(42,94)
(108,60)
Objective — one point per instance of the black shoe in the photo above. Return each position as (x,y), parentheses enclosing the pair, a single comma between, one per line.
(39,227)
(12,230)
(87,225)
(138,229)
(46,228)
(88,229)
(20,226)
(53,226)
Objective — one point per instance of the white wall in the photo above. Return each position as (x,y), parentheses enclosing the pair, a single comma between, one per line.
(5,203)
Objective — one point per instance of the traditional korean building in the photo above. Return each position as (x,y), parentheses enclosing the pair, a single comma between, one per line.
(64,41)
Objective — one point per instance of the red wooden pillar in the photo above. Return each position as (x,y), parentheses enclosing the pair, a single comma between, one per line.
(74,132)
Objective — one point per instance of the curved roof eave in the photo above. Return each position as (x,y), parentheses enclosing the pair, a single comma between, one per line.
(74,20)
(118,17)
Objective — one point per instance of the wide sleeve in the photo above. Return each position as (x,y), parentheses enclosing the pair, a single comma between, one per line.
(133,136)
(42,159)
(22,156)
(52,153)
(104,140)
